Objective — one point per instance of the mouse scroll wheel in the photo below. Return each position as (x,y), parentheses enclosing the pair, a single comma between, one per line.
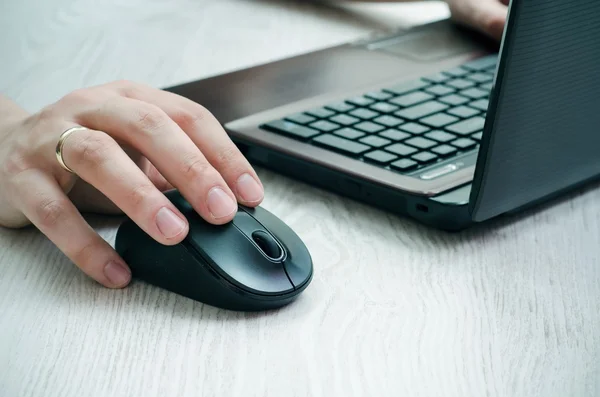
(268,244)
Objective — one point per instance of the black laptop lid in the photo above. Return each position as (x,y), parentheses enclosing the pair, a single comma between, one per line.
(542,134)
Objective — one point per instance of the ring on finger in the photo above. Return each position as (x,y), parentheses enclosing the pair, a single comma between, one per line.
(60,146)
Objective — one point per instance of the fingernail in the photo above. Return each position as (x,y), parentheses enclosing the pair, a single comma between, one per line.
(117,273)
(219,203)
(169,224)
(249,189)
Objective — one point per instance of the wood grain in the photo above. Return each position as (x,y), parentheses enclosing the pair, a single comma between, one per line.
(395,309)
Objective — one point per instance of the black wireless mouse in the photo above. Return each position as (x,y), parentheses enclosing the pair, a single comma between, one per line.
(253,263)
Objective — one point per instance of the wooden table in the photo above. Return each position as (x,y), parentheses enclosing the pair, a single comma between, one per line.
(395,309)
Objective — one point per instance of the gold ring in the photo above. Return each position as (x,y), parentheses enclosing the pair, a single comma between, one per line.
(61,143)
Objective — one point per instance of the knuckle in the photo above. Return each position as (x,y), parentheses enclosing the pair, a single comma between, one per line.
(50,211)
(92,148)
(139,194)
(85,254)
(195,167)
(227,156)
(150,119)
(188,120)
(78,97)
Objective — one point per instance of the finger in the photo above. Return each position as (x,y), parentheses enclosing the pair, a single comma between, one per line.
(488,16)
(208,134)
(150,130)
(43,202)
(100,161)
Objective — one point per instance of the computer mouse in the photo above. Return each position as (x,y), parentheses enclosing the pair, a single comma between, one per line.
(256,262)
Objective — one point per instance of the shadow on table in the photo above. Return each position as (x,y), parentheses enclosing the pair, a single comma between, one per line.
(40,259)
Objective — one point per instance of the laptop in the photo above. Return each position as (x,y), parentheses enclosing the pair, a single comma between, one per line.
(434,122)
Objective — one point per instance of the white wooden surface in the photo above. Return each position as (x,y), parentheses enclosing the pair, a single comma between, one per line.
(395,309)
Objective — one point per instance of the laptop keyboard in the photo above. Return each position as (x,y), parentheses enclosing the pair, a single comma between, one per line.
(405,127)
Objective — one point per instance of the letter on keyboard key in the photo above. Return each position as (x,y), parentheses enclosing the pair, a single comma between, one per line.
(341,145)
(467,126)
(422,110)
(295,130)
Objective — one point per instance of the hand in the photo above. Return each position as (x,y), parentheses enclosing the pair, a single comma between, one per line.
(139,142)
(487,16)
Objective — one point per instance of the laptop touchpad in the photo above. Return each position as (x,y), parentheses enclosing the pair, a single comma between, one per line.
(428,45)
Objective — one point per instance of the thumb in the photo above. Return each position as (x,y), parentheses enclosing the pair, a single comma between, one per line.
(487,16)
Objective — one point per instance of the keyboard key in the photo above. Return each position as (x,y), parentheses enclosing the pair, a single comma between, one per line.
(364,114)
(344,119)
(422,110)
(480,77)
(321,113)
(475,93)
(456,72)
(401,149)
(444,150)
(411,99)
(440,90)
(379,95)
(454,99)
(324,125)
(349,133)
(467,126)
(464,143)
(481,104)
(414,128)
(389,121)
(375,141)
(483,63)
(292,129)
(463,111)
(380,157)
(341,145)
(421,143)
(301,118)
(340,107)
(360,101)
(384,107)
(438,120)
(440,136)
(424,157)
(407,87)
(477,136)
(394,135)
(437,78)
(460,84)
(369,127)
(404,165)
